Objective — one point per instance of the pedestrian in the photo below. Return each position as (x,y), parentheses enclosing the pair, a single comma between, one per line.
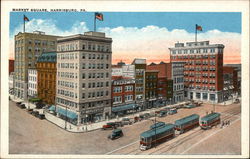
(228,122)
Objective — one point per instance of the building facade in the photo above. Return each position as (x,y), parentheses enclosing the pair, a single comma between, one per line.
(203,70)
(178,81)
(230,81)
(11,66)
(84,77)
(140,68)
(151,93)
(165,82)
(46,77)
(32,82)
(11,83)
(123,95)
(124,70)
(28,47)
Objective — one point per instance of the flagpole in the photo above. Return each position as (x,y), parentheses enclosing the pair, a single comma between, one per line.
(95,23)
(23,23)
(195,33)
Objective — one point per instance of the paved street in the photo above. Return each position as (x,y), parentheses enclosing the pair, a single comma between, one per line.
(30,135)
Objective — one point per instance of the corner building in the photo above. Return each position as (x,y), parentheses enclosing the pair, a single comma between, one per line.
(28,47)
(84,77)
(203,70)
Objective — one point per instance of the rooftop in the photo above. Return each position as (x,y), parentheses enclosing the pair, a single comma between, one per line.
(47,57)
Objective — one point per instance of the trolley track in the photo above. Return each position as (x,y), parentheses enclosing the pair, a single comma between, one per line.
(226,115)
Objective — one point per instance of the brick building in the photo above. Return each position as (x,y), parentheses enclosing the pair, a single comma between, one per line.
(46,77)
(11,66)
(123,95)
(230,81)
(165,82)
(203,70)
(151,92)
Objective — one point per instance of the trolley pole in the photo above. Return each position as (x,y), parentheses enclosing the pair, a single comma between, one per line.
(155,129)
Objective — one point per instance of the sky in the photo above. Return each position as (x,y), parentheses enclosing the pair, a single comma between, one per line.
(140,34)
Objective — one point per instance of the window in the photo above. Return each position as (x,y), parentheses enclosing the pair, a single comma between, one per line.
(83,56)
(83,76)
(107,84)
(83,95)
(83,46)
(83,85)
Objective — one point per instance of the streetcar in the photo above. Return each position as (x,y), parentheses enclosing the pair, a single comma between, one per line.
(156,125)
(186,123)
(210,120)
(155,136)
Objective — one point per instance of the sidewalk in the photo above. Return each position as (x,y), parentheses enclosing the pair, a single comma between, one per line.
(95,126)
(15,99)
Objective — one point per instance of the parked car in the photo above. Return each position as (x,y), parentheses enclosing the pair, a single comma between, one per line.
(163,113)
(29,111)
(109,125)
(146,115)
(126,121)
(190,106)
(136,119)
(35,113)
(41,116)
(18,103)
(117,133)
(22,106)
(172,111)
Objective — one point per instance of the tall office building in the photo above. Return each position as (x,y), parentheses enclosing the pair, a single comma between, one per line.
(178,81)
(203,70)
(140,68)
(28,47)
(84,77)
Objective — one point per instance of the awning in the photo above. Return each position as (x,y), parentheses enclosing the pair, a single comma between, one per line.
(52,108)
(34,99)
(67,113)
(123,108)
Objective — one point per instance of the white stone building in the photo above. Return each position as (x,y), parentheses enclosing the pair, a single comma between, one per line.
(32,82)
(11,83)
(124,71)
(178,81)
(84,77)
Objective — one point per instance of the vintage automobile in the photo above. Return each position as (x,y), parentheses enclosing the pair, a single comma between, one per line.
(172,111)
(163,113)
(110,125)
(117,133)
(126,121)
(29,111)
(41,116)
(22,106)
